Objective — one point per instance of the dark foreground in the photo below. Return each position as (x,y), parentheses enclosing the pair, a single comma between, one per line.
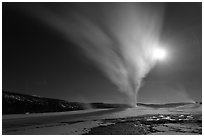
(151,124)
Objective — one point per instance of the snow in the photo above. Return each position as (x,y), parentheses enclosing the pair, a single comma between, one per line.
(171,133)
(75,122)
(63,129)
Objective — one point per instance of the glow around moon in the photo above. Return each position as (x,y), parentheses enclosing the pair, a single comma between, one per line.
(159,54)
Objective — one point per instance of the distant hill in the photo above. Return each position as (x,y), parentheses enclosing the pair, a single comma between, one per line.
(15,103)
(168,105)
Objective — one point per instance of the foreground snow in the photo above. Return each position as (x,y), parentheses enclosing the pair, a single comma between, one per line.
(78,122)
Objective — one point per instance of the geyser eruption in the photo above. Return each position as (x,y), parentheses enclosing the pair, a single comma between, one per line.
(118,37)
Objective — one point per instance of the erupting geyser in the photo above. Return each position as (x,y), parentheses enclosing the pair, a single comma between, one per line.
(118,37)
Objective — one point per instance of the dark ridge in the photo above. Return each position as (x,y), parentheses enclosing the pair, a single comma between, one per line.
(15,103)
(167,105)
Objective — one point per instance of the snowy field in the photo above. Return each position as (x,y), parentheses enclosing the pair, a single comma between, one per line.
(82,122)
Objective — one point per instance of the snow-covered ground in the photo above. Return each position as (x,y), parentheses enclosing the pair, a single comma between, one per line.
(78,122)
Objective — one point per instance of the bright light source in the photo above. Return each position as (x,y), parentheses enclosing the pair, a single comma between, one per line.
(159,54)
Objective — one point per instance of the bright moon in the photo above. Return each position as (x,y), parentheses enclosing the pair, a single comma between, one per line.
(159,54)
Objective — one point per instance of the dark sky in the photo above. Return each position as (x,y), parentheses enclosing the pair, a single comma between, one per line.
(38,60)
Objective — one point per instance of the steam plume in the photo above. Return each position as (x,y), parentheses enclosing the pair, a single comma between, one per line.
(118,37)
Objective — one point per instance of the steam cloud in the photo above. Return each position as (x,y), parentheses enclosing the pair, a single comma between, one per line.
(118,37)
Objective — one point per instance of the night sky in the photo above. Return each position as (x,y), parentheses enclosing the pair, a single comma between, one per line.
(39,60)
